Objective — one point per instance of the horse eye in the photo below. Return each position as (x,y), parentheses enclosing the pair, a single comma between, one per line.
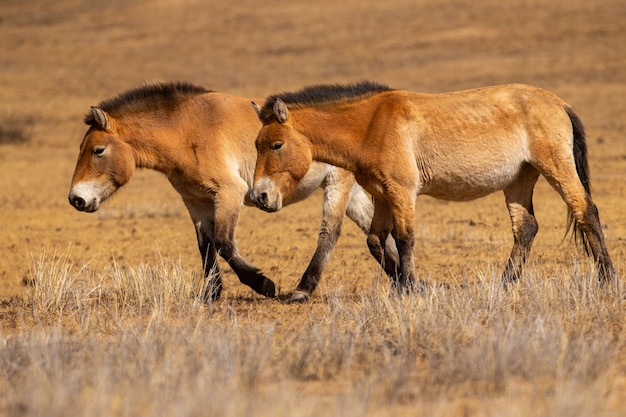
(276,146)
(99,150)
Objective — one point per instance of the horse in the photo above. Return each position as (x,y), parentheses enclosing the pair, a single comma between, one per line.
(455,146)
(203,141)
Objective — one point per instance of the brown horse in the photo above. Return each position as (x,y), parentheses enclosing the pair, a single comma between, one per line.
(456,146)
(203,141)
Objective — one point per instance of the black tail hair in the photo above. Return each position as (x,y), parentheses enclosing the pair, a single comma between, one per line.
(579,150)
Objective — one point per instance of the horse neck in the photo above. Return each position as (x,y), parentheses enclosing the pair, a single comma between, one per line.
(336,138)
(154,143)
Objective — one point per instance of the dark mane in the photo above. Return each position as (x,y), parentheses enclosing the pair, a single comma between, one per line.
(323,94)
(150,97)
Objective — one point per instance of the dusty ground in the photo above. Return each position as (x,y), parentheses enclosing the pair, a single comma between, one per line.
(59,58)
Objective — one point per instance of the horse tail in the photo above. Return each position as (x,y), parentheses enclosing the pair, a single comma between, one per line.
(579,151)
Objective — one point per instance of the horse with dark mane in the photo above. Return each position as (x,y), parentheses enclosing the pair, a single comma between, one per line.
(203,141)
(454,146)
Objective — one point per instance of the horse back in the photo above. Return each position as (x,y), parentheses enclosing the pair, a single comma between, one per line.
(471,143)
(215,149)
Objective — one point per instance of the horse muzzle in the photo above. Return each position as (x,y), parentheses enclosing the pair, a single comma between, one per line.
(264,198)
(83,198)
(80,204)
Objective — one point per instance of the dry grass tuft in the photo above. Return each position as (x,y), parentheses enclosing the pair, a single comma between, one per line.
(136,341)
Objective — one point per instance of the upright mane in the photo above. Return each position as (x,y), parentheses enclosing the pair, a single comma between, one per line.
(150,97)
(316,95)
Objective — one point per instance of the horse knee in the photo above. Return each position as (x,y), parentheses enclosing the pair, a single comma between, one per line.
(527,232)
(405,244)
(523,222)
(391,252)
(590,217)
(375,247)
(328,235)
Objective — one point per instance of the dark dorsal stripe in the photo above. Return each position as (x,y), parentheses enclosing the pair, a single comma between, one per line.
(151,97)
(323,94)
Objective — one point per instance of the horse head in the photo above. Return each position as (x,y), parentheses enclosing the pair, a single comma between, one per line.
(283,158)
(105,163)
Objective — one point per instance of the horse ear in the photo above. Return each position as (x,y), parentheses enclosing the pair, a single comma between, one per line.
(280,110)
(256,108)
(101,118)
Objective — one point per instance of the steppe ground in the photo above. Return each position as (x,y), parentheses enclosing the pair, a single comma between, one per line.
(351,350)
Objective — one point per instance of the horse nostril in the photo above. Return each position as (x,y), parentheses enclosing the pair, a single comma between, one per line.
(262,198)
(78,202)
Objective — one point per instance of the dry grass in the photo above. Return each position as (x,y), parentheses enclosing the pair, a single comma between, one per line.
(136,341)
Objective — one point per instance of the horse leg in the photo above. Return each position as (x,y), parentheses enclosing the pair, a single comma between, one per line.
(342,196)
(385,220)
(336,195)
(405,242)
(228,203)
(202,215)
(382,225)
(379,231)
(590,225)
(520,205)
(212,271)
(361,210)
(586,220)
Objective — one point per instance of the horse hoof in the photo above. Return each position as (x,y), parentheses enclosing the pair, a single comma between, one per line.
(269,289)
(299,297)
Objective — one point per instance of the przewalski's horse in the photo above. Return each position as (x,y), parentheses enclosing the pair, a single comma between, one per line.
(203,141)
(455,146)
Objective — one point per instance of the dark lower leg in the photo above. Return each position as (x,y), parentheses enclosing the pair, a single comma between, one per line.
(247,273)
(592,229)
(391,263)
(406,277)
(523,235)
(212,271)
(311,277)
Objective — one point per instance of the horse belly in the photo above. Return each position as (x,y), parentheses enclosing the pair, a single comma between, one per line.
(470,183)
